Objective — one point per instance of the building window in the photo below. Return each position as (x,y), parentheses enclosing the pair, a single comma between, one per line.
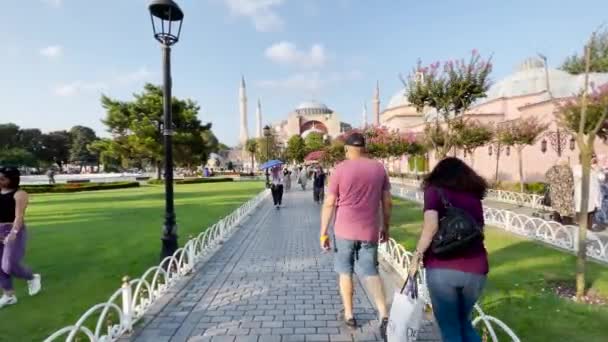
(508,151)
(572,144)
(490,150)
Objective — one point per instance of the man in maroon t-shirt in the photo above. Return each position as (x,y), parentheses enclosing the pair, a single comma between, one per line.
(358,187)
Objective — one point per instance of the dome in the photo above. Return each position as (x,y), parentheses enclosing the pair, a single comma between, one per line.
(398,100)
(312,107)
(531,78)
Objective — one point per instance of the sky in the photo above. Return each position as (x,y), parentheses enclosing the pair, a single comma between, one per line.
(59,56)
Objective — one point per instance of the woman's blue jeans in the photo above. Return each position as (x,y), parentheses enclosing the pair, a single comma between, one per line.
(454,294)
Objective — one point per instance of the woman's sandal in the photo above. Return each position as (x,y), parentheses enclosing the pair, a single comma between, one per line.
(349,322)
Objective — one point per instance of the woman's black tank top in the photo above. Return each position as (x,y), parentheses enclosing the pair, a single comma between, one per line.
(7,207)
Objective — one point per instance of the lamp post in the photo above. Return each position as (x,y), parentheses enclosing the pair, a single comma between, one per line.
(558,140)
(267,134)
(166,17)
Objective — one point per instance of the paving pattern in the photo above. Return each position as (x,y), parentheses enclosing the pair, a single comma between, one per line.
(268,282)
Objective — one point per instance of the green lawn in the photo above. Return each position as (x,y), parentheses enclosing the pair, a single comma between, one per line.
(83,243)
(517,291)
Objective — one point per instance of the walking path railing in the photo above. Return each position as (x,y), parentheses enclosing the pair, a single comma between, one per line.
(108,321)
(549,232)
(512,197)
(399,258)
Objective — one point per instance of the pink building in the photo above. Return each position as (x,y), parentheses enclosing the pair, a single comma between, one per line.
(532,90)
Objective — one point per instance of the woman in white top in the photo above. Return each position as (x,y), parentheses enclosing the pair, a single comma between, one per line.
(276,186)
(595,195)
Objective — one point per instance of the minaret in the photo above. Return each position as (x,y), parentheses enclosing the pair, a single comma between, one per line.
(243,112)
(258,119)
(376,102)
(364,115)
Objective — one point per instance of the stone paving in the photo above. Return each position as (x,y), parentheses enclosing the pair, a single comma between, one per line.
(268,282)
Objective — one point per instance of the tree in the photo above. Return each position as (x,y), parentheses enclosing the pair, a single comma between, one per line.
(56,148)
(230,166)
(267,149)
(598,55)
(296,149)
(9,134)
(252,147)
(314,142)
(521,133)
(472,134)
(450,93)
(17,157)
(137,126)
(81,137)
(586,115)
(107,156)
(30,139)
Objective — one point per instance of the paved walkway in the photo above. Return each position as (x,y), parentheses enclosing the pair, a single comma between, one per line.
(269,282)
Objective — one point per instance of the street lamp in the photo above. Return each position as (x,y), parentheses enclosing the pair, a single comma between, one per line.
(558,140)
(267,134)
(166,16)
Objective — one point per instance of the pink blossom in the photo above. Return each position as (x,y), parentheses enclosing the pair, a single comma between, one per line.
(474,52)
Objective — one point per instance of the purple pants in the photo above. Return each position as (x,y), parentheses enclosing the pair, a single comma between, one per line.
(10,258)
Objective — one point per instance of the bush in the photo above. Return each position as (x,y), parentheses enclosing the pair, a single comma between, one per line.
(192,181)
(77,187)
(533,188)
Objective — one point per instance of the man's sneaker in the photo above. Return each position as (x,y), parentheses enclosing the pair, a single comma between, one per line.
(383,326)
(7,300)
(35,285)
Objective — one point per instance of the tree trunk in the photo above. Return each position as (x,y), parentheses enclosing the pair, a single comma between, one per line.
(158,167)
(496,180)
(521,168)
(472,153)
(583,223)
(252,164)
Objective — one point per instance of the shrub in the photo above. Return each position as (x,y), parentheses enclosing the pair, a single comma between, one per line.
(193,180)
(77,187)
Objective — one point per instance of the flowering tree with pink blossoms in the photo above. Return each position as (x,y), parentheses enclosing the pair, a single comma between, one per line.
(449,89)
(521,133)
(586,115)
(472,134)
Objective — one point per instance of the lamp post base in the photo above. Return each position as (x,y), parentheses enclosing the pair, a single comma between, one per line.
(169,246)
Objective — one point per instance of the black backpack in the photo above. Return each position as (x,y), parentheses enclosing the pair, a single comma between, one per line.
(457,231)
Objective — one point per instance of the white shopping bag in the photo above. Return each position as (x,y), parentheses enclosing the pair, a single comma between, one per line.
(405,318)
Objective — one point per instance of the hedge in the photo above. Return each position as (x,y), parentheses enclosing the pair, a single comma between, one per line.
(193,180)
(77,187)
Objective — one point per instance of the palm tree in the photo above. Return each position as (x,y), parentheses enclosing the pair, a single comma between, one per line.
(252,146)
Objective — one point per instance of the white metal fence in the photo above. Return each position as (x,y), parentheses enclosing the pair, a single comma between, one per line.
(399,258)
(512,197)
(129,303)
(549,232)
(92,177)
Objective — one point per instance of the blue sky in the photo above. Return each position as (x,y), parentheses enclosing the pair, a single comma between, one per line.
(58,56)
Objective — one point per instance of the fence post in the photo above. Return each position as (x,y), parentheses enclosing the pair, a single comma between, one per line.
(191,251)
(127,304)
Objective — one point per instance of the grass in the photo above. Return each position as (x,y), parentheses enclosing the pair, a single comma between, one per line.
(84,243)
(517,290)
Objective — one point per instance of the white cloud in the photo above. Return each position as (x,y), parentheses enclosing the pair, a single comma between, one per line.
(287,53)
(142,74)
(262,12)
(123,79)
(54,3)
(78,87)
(52,51)
(311,81)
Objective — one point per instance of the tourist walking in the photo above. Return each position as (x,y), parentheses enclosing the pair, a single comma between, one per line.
(276,187)
(287,177)
(561,191)
(319,185)
(358,187)
(455,281)
(13,237)
(303,178)
(595,195)
(51,175)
